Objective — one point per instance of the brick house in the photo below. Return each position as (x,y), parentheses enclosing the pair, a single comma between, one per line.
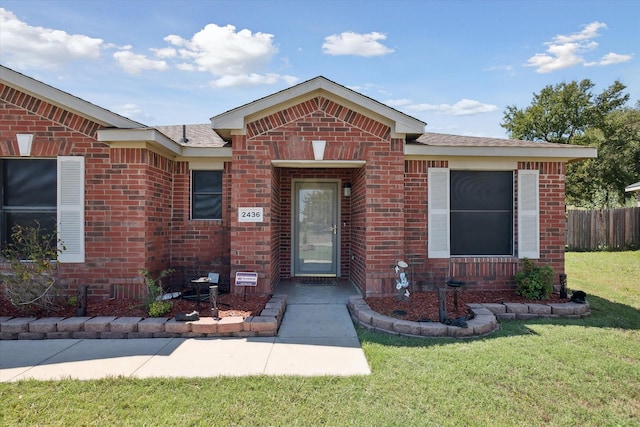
(313,181)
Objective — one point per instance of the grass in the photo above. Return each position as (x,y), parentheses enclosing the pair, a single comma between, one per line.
(544,372)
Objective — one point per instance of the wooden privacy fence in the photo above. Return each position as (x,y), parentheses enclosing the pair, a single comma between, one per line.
(603,229)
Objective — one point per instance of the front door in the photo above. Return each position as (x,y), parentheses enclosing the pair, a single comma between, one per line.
(315,229)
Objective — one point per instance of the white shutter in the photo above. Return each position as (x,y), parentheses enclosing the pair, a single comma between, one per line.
(438,207)
(71,208)
(528,214)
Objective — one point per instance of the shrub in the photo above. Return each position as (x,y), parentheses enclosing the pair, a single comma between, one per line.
(159,308)
(534,281)
(30,276)
(155,306)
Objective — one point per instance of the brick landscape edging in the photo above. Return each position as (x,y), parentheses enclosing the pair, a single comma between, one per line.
(485,320)
(103,327)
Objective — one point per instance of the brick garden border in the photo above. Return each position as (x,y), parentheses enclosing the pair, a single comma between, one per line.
(485,320)
(103,327)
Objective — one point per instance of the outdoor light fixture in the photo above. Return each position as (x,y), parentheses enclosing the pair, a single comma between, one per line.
(346,189)
(24,143)
(318,149)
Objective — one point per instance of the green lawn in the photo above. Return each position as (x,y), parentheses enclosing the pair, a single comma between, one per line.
(583,372)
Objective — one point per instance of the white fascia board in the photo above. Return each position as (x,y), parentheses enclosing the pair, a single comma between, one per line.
(147,135)
(234,119)
(220,153)
(65,100)
(328,164)
(568,153)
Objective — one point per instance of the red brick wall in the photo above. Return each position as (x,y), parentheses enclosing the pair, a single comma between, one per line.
(198,247)
(138,213)
(251,245)
(485,273)
(552,212)
(376,191)
(136,201)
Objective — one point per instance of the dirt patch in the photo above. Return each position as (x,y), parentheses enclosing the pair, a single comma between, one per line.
(423,306)
(228,305)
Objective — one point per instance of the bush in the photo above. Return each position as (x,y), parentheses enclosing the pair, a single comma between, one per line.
(155,306)
(534,281)
(30,279)
(159,308)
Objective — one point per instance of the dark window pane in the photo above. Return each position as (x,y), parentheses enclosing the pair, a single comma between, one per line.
(481,213)
(207,181)
(475,190)
(481,233)
(47,221)
(207,206)
(29,183)
(206,197)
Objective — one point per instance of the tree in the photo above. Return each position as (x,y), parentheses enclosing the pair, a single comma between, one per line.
(569,113)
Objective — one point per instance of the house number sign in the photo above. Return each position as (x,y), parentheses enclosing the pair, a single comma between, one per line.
(250,214)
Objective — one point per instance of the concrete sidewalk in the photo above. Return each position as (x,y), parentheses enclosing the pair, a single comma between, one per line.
(316,337)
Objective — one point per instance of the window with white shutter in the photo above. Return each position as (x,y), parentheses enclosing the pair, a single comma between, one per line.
(528,214)
(438,211)
(71,209)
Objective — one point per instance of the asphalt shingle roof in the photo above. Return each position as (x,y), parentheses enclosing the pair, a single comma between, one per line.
(198,135)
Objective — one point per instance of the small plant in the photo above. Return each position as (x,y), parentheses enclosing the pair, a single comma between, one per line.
(534,281)
(156,307)
(159,308)
(30,277)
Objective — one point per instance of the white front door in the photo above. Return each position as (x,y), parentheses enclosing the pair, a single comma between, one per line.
(315,229)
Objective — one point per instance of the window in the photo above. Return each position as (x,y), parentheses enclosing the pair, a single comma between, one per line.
(481,212)
(29,194)
(206,194)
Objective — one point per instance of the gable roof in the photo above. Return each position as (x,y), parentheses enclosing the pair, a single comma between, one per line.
(65,100)
(236,118)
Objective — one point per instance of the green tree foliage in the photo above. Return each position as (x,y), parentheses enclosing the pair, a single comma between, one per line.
(570,113)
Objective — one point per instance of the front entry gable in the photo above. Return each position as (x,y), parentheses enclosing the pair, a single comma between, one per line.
(347,135)
(318,93)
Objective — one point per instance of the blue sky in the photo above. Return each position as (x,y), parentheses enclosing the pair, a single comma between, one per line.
(453,64)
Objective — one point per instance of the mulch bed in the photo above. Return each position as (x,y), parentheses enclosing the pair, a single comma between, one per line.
(228,305)
(423,306)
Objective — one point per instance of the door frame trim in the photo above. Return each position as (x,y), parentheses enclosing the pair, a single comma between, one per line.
(294,202)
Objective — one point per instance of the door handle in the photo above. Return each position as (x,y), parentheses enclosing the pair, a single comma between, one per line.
(333,228)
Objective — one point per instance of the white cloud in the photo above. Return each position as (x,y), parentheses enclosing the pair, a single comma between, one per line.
(349,43)
(507,69)
(233,57)
(134,63)
(464,107)
(252,80)
(566,51)
(131,111)
(610,59)
(167,52)
(25,46)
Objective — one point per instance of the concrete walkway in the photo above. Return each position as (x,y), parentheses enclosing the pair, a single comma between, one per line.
(316,337)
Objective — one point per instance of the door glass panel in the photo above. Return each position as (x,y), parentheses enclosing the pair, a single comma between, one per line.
(316,228)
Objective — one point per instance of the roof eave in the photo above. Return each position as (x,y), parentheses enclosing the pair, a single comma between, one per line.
(157,141)
(65,100)
(566,154)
